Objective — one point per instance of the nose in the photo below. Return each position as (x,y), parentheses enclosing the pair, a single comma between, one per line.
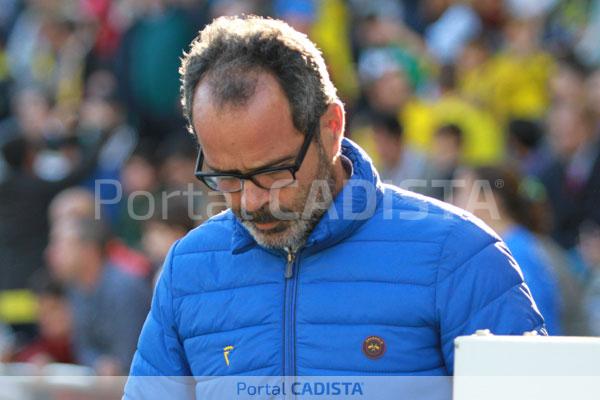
(254,197)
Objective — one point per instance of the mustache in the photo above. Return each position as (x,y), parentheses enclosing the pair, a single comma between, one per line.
(261,216)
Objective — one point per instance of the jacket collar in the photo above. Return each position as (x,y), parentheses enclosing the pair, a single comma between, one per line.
(356,203)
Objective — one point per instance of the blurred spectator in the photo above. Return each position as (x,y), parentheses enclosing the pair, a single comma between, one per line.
(75,202)
(5,80)
(7,343)
(53,342)
(525,146)
(46,49)
(447,36)
(150,83)
(331,31)
(526,9)
(109,306)
(398,162)
(139,179)
(300,14)
(388,76)
(507,210)
(518,75)
(161,231)
(589,247)
(473,72)
(592,97)
(380,23)
(235,7)
(567,83)
(78,203)
(483,142)
(444,160)
(23,215)
(103,111)
(177,157)
(385,75)
(572,179)
(31,115)
(587,45)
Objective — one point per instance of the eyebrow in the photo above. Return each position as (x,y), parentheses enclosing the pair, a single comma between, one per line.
(271,164)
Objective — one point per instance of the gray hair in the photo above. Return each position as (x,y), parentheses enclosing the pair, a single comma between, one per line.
(232,51)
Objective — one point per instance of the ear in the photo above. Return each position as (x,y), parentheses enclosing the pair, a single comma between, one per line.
(332,128)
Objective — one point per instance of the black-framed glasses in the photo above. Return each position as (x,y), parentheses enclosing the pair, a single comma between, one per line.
(265,178)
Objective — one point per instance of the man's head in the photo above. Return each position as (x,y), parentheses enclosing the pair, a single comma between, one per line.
(252,90)
(570,128)
(447,146)
(75,202)
(54,313)
(76,245)
(387,132)
(385,79)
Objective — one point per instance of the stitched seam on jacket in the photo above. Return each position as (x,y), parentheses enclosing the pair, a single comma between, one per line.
(156,370)
(229,330)
(366,324)
(393,241)
(469,259)
(488,304)
(171,289)
(175,318)
(200,252)
(437,273)
(224,289)
(369,281)
(379,371)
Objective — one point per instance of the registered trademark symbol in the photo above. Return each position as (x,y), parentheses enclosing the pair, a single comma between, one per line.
(499,183)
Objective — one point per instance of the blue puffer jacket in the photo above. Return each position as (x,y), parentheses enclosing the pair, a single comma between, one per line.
(415,275)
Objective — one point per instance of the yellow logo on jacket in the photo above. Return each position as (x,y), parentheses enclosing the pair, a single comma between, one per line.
(226,351)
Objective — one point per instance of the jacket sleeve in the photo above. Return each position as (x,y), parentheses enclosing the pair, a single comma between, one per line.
(159,368)
(480,286)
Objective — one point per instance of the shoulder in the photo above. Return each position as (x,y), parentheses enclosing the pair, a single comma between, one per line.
(428,217)
(213,235)
(411,217)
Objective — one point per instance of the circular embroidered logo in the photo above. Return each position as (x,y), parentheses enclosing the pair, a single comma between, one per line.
(373,347)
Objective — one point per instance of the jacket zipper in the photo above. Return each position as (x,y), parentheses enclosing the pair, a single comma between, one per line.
(289,336)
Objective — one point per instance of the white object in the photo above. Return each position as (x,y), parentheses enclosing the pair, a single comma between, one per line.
(526,367)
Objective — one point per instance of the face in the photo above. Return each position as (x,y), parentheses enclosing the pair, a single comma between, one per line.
(65,252)
(158,238)
(593,92)
(566,86)
(389,147)
(138,175)
(54,317)
(445,151)
(390,92)
(566,129)
(261,134)
(76,204)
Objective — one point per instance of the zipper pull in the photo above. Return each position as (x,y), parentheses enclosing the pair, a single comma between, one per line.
(289,268)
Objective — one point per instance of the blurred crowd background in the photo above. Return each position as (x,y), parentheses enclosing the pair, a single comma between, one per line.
(473,102)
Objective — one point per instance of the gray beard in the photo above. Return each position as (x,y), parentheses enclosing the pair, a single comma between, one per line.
(295,232)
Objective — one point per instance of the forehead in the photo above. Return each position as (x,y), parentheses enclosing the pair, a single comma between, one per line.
(247,136)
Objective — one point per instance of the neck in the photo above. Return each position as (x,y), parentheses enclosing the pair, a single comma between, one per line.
(341,175)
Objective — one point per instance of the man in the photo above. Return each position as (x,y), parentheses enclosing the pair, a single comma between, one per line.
(572,178)
(108,305)
(400,163)
(317,268)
